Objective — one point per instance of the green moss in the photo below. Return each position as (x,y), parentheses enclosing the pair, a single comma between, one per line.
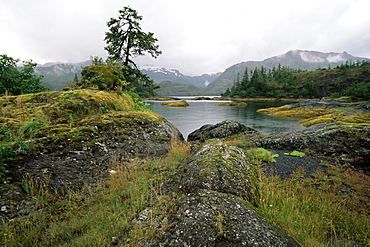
(261,154)
(296,153)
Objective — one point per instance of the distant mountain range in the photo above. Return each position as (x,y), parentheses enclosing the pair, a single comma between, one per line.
(297,59)
(58,75)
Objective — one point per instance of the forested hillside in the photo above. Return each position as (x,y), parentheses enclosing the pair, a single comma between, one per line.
(297,59)
(351,79)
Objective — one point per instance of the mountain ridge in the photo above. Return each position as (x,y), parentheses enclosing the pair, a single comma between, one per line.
(59,75)
(295,59)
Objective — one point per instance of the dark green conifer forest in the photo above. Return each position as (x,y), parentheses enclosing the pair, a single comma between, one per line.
(349,79)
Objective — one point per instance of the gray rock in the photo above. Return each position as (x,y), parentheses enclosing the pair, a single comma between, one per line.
(214,212)
(339,141)
(218,167)
(224,129)
(209,218)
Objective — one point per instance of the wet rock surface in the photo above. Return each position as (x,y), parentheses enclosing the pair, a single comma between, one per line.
(210,218)
(224,129)
(341,142)
(219,167)
(214,211)
(14,203)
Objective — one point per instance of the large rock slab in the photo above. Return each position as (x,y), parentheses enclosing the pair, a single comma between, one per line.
(224,129)
(210,218)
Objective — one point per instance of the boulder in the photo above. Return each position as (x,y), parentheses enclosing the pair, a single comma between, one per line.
(224,129)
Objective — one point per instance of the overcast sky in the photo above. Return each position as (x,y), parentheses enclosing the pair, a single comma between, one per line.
(195,36)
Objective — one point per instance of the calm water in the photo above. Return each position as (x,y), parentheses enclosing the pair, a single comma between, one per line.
(188,119)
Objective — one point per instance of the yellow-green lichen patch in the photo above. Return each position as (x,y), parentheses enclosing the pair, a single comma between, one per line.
(300,112)
(143,117)
(354,117)
(316,120)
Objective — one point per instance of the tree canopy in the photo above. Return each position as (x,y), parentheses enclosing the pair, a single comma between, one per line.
(18,81)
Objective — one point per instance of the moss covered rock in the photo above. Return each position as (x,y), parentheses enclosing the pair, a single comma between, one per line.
(219,167)
(323,111)
(224,129)
(210,218)
(68,138)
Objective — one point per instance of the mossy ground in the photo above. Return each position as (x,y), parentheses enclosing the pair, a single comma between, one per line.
(315,115)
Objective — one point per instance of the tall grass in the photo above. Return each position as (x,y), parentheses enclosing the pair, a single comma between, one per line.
(321,211)
(94,216)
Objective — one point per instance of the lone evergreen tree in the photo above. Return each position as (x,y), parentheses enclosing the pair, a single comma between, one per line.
(125,39)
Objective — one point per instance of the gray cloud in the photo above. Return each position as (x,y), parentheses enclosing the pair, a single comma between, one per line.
(195,36)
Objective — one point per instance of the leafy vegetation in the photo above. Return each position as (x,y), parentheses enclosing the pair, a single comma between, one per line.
(261,154)
(16,82)
(351,79)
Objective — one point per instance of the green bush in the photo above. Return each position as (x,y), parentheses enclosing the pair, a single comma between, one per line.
(359,91)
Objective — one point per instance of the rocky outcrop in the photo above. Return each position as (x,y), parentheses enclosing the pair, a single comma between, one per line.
(213,212)
(70,157)
(340,141)
(224,129)
(67,139)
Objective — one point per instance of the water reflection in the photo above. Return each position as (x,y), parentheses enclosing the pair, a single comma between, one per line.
(200,112)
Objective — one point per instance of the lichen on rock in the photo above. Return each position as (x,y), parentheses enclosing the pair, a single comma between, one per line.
(219,167)
(210,218)
(213,210)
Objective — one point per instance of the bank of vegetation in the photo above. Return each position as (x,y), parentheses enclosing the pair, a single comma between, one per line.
(349,79)
(323,210)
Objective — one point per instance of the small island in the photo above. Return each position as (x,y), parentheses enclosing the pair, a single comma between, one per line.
(182,103)
(233,104)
